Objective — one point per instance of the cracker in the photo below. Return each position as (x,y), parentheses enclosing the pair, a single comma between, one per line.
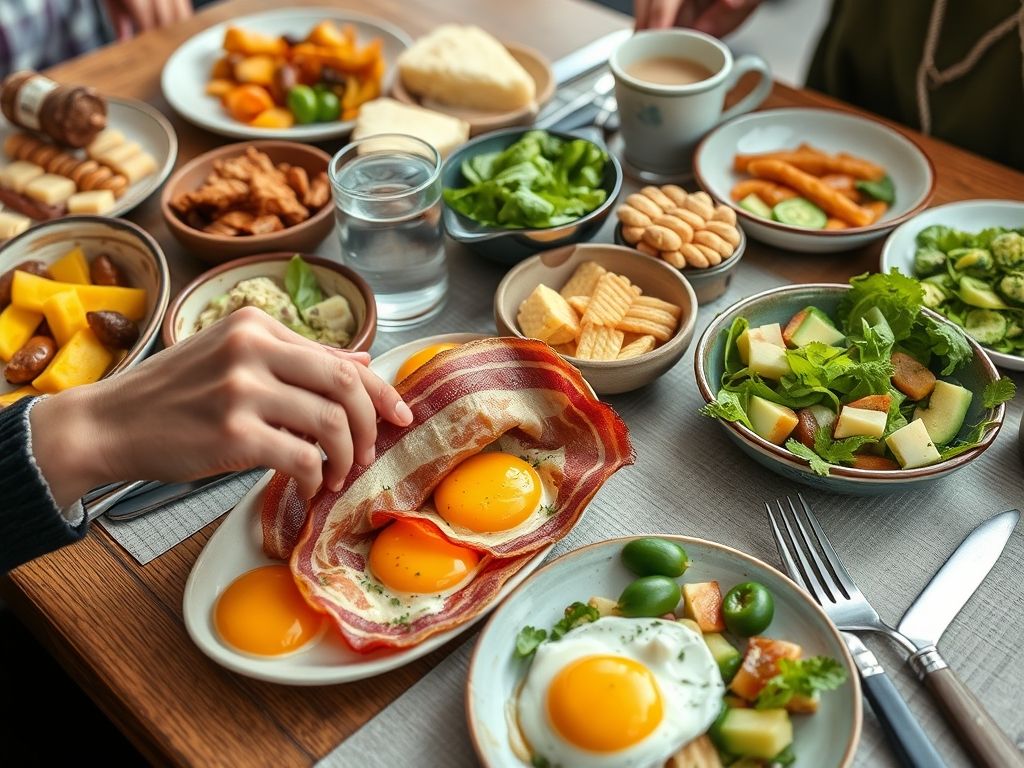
(691,218)
(662,238)
(650,250)
(610,301)
(700,206)
(599,342)
(677,225)
(631,217)
(660,199)
(675,193)
(641,346)
(583,280)
(632,235)
(708,238)
(644,204)
(724,213)
(659,331)
(654,302)
(579,303)
(713,257)
(673,258)
(694,256)
(546,316)
(727,232)
(652,314)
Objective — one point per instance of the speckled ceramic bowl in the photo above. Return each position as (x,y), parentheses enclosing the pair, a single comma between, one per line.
(778,306)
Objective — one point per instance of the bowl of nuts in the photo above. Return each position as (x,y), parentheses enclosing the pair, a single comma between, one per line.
(687,231)
(250,198)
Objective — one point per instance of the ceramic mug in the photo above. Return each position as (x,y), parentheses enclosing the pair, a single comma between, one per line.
(661,124)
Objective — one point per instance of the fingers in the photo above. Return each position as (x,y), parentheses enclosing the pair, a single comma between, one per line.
(659,14)
(724,16)
(287,453)
(386,400)
(142,12)
(641,10)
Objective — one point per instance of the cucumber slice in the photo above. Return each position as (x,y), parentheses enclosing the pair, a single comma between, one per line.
(978,293)
(756,206)
(986,326)
(797,212)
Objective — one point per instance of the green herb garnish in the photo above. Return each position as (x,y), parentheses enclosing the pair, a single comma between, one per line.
(301,284)
(803,677)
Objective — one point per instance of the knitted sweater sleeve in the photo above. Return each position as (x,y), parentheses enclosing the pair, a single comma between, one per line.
(31,523)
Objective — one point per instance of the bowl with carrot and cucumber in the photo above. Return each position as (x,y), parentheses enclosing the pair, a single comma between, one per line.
(814,180)
(854,389)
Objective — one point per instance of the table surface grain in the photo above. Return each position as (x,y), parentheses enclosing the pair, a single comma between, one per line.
(117,626)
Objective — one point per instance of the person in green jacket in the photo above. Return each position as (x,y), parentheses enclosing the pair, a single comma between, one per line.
(950,68)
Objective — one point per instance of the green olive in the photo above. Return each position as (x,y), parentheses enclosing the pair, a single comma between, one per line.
(655,557)
(649,596)
(748,609)
(302,104)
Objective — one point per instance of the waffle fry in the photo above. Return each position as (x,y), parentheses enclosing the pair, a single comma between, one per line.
(583,280)
(653,302)
(660,331)
(599,342)
(579,303)
(640,346)
(547,316)
(610,301)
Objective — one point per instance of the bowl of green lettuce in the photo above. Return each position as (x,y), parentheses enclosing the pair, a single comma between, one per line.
(510,194)
(858,363)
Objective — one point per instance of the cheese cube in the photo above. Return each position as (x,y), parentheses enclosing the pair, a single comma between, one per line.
(137,167)
(443,132)
(860,421)
(98,201)
(18,174)
(912,445)
(116,155)
(106,139)
(768,360)
(65,315)
(770,420)
(17,326)
(50,189)
(12,224)
(770,334)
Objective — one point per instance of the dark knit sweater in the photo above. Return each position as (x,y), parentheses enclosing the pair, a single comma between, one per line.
(31,523)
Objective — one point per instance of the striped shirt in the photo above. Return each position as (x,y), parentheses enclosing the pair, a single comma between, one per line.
(35,34)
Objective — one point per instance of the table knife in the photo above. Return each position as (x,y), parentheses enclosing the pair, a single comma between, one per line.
(589,57)
(160,495)
(927,618)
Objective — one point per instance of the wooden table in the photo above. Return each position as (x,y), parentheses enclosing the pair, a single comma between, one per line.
(117,627)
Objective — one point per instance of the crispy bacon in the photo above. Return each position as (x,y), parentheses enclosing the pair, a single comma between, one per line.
(463,400)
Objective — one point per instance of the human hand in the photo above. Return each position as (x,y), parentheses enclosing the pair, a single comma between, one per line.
(245,392)
(714,17)
(129,17)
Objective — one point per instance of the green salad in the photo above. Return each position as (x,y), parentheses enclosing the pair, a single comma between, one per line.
(540,181)
(871,386)
(976,279)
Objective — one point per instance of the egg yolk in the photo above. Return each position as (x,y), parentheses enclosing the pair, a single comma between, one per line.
(417,359)
(488,492)
(262,612)
(604,703)
(411,557)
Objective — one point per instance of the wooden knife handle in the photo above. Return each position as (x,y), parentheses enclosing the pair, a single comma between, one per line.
(982,736)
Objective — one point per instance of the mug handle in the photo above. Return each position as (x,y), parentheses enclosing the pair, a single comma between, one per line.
(744,64)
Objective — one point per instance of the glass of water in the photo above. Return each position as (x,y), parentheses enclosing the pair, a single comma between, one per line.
(387,204)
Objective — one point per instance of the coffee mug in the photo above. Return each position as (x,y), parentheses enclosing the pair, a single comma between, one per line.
(661,124)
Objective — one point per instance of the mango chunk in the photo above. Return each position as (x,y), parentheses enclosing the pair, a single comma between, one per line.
(31,292)
(10,398)
(65,316)
(82,360)
(16,327)
(71,268)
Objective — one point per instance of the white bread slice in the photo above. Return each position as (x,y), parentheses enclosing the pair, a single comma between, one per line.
(443,132)
(465,67)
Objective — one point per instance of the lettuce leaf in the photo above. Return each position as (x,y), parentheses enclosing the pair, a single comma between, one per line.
(898,297)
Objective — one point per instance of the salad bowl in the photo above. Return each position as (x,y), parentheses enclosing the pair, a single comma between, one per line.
(778,305)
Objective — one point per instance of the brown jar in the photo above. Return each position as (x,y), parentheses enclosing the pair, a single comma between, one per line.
(70,115)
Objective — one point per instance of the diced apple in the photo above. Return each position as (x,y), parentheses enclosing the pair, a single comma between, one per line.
(702,602)
(759,733)
(912,445)
(770,420)
(761,664)
(859,421)
(946,411)
(770,333)
(873,403)
(768,360)
(690,624)
(809,325)
(804,705)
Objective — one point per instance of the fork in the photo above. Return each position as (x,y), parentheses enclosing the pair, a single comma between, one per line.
(830,584)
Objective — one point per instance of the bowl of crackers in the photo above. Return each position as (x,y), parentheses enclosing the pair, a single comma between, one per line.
(249,198)
(621,317)
(686,230)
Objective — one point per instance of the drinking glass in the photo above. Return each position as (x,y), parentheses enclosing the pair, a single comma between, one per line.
(387,204)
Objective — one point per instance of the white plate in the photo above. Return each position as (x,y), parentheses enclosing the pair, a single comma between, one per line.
(236,548)
(828,738)
(187,72)
(143,125)
(387,364)
(968,215)
(833,131)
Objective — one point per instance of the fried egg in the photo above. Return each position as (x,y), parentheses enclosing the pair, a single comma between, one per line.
(410,556)
(488,492)
(418,359)
(618,692)
(262,613)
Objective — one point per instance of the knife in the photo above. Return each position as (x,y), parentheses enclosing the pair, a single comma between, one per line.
(927,618)
(589,57)
(163,493)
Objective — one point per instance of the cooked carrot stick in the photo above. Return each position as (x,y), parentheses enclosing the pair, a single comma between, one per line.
(813,189)
(877,209)
(769,191)
(844,184)
(805,147)
(817,164)
(832,223)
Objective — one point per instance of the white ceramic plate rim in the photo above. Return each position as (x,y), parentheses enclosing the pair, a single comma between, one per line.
(494,625)
(889,258)
(199,597)
(224,125)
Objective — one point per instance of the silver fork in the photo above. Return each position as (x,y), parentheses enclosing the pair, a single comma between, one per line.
(832,587)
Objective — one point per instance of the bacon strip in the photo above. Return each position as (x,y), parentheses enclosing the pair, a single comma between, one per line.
(462,401)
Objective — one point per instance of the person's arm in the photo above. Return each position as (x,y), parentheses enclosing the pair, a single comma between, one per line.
(715,17)
(246,392)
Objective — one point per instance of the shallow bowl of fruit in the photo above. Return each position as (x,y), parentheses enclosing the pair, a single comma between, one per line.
(854,389)
(81,298)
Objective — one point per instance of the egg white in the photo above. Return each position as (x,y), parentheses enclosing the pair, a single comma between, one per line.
(686,674)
